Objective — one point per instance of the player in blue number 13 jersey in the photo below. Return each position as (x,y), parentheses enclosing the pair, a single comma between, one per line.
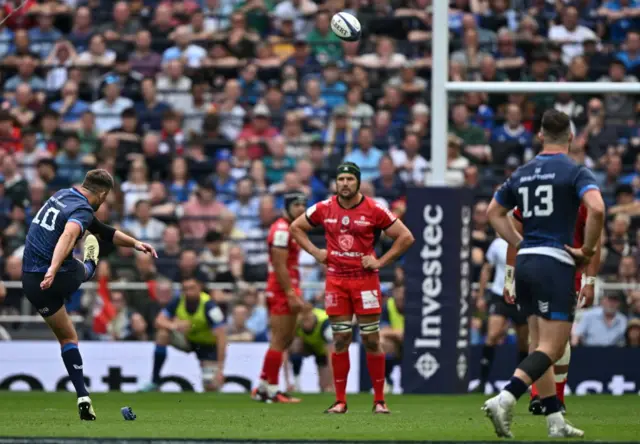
(548,191)
(50,274)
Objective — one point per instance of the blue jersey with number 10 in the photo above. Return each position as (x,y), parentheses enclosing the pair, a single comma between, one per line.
(548,191)
(67,205)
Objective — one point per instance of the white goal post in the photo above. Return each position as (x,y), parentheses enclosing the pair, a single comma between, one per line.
(440,87)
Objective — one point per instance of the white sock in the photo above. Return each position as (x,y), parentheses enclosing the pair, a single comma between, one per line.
(262,385)
(555,419)
(506,399)
(272,389)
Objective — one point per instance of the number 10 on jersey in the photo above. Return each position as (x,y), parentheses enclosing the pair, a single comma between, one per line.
(543,205)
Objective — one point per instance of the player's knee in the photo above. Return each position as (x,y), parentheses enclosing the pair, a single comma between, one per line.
(370,336)
(565,359)
(341,342)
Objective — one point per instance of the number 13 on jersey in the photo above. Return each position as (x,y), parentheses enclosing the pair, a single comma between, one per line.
(542,201)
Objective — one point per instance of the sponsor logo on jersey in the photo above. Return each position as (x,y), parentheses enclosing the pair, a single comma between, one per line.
(331,221)
(330,300)
(362,222)
(345,220)
(345,241)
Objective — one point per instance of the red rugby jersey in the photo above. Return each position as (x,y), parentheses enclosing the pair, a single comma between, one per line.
(350,233)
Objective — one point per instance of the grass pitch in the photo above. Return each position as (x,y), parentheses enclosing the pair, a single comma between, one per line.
(203,416)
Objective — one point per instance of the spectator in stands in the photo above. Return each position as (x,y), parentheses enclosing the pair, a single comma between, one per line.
(622,16)
(608,182)
(277,163)
(156,157)
(128,79)
(82,29)
(237,331)
(512,138)
(257,321)
(29,156)
(246,205)
(123,28)
(150,109)
(214,258)
(303,58)
(509,59)
(97,55)
(47,172)
(314,187)
(326,45)
(143,226)
(470,54)
(630,55)
(44,35)
(109,109)
(602,326)
(16,231)
(252,87)
(26,74)
(181,186)
(258,132)
(16,188)
(570,34)
(365,155)
(173,85)
(169,252)
(143,59)
(472,135)
(333,90)
(24,111)
(125,325)
(71,163)
(13,296)
(70,107)
(188,266)
(413,167)
(620,108)
(598,137)
(200,212)
(385,56)
(184,50)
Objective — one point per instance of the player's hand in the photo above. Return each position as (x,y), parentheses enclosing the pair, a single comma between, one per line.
(370,263)
(294,300)
(183,326)
(581,255)
(587,294)
(48,279)
(506,294)
(145,248)
(321,256)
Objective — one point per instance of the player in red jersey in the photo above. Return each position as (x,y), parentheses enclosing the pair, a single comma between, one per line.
(352,224)
(283,298)
(585,294)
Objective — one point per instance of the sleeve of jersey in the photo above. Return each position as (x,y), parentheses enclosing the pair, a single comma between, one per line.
(280,238)
(82,217)
(585,181)
(384,218)
(170,310)
(504,196)
(215,317)
(314,213)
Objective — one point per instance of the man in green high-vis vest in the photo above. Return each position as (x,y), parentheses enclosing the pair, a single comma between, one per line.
(192,322)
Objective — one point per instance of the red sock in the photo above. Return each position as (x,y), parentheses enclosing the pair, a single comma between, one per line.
(375,364)
(271,366)
(340,363)
(560,390)
(534,391)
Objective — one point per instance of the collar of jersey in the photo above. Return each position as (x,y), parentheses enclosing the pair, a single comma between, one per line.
(73,190)
(549,154)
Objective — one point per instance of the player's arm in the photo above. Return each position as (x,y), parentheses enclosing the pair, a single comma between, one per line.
(587,292)
(166,318)
(109,234)
(72,231)
(279,256)
(402,240)
(509,292)
(590,195)
(485,274)
(498,214)
(299,229)
(215,319)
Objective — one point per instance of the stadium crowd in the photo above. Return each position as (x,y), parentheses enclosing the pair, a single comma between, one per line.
(207,111)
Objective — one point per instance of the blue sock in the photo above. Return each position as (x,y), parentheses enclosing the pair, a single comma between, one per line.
(516,387)
(89,269)
(159,356)
(296,363)
(73,363)
(550,405)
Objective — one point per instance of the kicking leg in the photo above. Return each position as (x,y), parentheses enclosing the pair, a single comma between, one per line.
(62,326)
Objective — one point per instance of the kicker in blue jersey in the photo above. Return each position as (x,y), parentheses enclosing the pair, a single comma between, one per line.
(68,205)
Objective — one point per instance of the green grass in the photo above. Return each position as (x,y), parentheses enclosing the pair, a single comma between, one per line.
(198,416)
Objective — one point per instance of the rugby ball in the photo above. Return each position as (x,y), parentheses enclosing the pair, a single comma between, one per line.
(346,26)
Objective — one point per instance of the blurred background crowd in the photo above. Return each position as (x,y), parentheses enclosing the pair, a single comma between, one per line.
(207,111)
